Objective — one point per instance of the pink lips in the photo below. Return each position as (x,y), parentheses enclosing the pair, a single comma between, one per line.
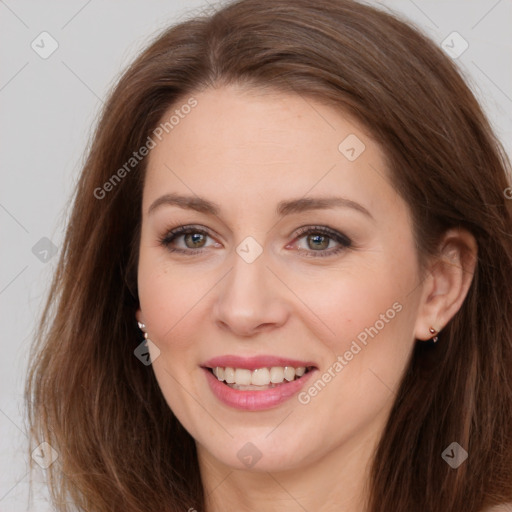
(251,363)
(255,400)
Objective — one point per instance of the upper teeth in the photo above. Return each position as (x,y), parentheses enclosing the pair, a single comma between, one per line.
(258,377)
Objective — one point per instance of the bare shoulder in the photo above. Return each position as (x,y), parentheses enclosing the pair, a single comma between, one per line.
(507,507)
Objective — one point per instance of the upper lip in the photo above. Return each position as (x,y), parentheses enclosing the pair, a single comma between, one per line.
(252,363)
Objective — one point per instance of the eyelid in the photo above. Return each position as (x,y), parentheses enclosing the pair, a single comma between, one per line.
(332,233)
(171,234)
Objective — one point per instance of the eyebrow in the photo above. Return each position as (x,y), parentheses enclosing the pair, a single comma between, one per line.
(284,208)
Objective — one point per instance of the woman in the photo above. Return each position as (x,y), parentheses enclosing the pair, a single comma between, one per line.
(286,280)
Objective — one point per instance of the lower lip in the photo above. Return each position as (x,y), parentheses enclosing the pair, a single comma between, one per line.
(255,400)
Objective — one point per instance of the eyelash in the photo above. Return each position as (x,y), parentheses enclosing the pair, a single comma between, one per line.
(342,239)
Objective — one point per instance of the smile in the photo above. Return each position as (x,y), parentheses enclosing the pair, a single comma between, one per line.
(256,383)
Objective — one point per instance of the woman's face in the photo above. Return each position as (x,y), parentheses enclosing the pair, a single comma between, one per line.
(299,254)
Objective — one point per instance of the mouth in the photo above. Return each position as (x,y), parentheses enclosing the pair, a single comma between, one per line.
(258,379)
(256,383)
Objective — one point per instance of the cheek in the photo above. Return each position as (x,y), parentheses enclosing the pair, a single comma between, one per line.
(169,300)
(365,336)
(166,299)
(349,304)
(367,322)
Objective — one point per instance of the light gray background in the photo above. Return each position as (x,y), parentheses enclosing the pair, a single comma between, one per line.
(49,108)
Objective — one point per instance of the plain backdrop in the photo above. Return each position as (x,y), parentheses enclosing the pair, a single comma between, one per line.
(49,106)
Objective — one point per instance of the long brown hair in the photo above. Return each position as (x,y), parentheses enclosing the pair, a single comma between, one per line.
(120,446)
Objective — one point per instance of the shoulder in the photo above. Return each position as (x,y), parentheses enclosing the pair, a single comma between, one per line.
(506,507)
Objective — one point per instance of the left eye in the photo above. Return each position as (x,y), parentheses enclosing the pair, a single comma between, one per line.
(319,239)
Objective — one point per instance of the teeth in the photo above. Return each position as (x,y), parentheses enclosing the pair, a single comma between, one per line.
(242,376)
(289,373)
(229,375)
(276,374)
(259,377)
(300,371)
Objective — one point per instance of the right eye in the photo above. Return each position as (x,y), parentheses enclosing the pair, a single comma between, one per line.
(193,239)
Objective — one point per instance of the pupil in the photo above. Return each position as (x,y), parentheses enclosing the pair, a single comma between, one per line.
(195,238)
(319,238)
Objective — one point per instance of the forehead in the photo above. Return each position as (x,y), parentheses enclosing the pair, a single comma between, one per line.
(259,146)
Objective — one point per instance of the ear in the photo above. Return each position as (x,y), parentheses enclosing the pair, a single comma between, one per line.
(450,274)
(138,316)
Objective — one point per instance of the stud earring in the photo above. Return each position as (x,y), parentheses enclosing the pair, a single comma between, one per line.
(434,333)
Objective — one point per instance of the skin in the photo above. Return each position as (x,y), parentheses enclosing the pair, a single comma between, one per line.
(247,150)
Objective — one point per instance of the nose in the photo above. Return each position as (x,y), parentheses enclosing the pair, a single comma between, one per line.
(251,299)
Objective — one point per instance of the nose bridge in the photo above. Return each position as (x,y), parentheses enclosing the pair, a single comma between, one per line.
(248,298)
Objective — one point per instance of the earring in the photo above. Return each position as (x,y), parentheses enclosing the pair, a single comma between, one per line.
(434,332)
(142,327)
